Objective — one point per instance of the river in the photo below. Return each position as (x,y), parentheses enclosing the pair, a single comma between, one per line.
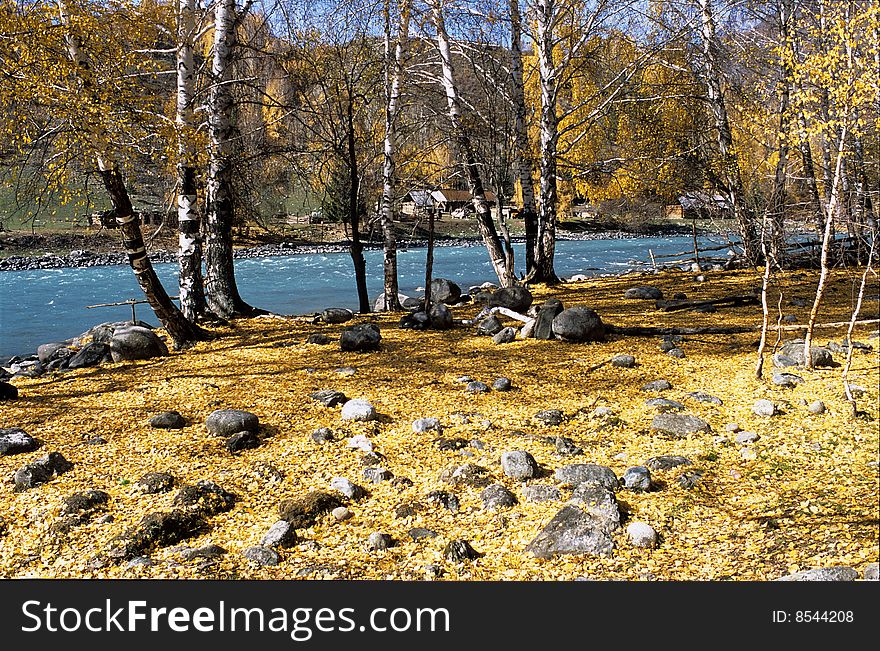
(47,305)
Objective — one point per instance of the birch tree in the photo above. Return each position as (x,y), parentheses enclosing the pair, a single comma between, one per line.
(179,328)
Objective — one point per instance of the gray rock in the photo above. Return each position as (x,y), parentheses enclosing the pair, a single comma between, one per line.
(378,541)
(468,474)
(16,441)
(341,513)
(458,551)
(420,533)
(623,361)
(599,502)
(363,337)
(497,496)
(701,396)
(303,511)
(440,317)
(680,425)
(206,552)
(637,478)
(823,574)
(518,464)
(476,387)
(87,500)
(448,501)
(504,336)
(746,438)
(152,483)
(644,292)
(764,408)
(135,342)
(641,534)
(502,384)
(517,299)
(377,475)
(819,356)
(544,321)
(550,417)
(322,435)
(667,344)
(156,530)
(872,572)
(359,411)
(445,291)
(226,422)
(489,326)
(8,391)
(565,446)
(50,352)
(329,397)
(578,324)
(816,407)
(168,420)
(335,315)
(348,488)
(541,493)
(571,531)
(578,473)
(318,339)
(788,380)
(666,462)
(678,353)
(281,534)
(657,385)
(262,556)
(89,355)
(242,441)
(423,425)
(783,361)
(663,405)
(40,471)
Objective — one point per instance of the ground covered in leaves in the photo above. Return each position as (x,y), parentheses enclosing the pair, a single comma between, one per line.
(804,495)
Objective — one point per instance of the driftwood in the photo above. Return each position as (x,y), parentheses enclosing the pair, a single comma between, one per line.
(727,301)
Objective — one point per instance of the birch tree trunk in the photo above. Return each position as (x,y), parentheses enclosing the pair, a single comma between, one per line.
(393,81)
(506,275)
(181,331)
(731,173)
(221,291)
(523,164)
(776,249)
(545,244)
(191,287)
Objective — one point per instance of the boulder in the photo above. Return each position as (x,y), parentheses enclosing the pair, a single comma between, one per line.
(358,410)
(571,531)
(362,337)
(663,405)
(90,355)
(378,541)
(204,497)
(422,425)
(16,441)
(8,391)
(329,397)
(518,299)
(642,534)
(680,425)
(637,478)
(261,556)
(168,420)
(541,493)
(458,551)
(644,292)
(518,464)
(666,462)
(476,387)
(468,474)
(335,315)
(156,530)
(823,574)
(242,441)
(348,488)
(578,473)
(226,422)
(497,496)
(445,291)
(550,417)
(135,342)
(379,303)
(599,502)
(86,500)
(578,324)
(657,385)
(40,471)
(820,356)
(788,380)
(623,361)
(441,317)
(544,321)
(489,326)
(502,384)
(764,408)
(50,352)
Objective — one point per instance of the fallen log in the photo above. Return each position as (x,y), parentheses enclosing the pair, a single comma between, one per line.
(649,331)
(727,301)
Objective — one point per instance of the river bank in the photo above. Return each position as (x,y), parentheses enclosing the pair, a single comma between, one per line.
(745,496)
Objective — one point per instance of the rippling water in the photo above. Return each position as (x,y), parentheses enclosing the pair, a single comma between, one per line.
(49,305)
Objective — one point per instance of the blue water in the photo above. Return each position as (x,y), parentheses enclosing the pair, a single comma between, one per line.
(50,304)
